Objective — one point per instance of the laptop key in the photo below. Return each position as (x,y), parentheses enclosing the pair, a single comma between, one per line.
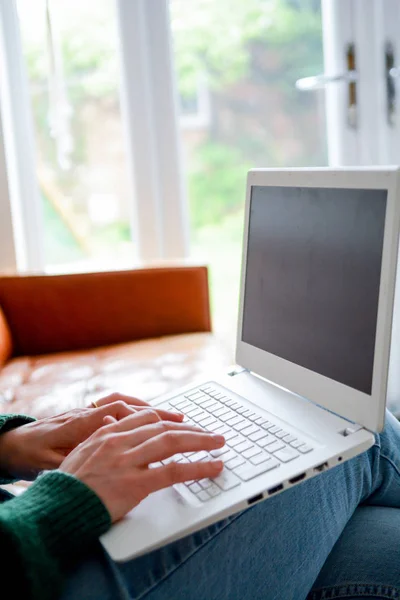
(236,441)
(275,446)
(220,451)
(286,454)
(248,412)
(257,435)
(229,415)
(251,451)
(266,440)
(260,458)
(214,426)
(289,438)
(203,496)
(226,480)
(235,462)
(281,434)
(229,402)
(242,425)
(247,472)
(176,401)
(213,490)
(197,456)
(228,435)
(249,430)
(274,429)
(234,421)
(193,412)
(222,410)
(195,488)
(194,395)
(253,417)
(305,448)
(228,456)
(205,483)
(261,421)
(201,416)
(296,443)
(245,445)
(206,422)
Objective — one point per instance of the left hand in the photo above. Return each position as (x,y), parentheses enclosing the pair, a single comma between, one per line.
(43,444)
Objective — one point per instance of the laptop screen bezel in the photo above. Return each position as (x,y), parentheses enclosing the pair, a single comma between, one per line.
(358,407)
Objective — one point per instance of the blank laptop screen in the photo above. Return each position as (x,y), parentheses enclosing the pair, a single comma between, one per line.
(312,278)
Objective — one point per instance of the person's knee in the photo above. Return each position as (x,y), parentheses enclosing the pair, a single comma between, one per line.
(366,553)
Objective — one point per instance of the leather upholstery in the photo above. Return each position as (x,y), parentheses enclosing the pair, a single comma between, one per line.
(74,312)
(5,340)
(50,384)
(51,318)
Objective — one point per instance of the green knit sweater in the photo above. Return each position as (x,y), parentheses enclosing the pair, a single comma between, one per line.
(45,528)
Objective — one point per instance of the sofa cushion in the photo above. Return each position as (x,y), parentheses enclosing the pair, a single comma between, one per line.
(5,340)
(45,385)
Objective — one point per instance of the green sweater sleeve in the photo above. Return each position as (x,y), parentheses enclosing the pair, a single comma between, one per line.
(7,422)
(44,528)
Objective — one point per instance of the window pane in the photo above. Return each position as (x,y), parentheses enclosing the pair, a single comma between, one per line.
(237,64)
(72,60)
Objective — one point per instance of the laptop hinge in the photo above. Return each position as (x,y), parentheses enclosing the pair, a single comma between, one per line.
(236,369)
(350,430)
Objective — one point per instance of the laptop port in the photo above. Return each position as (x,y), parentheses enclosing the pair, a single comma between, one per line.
(255,499)
(297,478)
(321,468)
(275,489)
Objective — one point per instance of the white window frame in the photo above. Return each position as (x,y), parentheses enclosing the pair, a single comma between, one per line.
(24,200)
(159,213)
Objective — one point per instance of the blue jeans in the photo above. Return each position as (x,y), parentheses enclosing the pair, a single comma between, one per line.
(334,536)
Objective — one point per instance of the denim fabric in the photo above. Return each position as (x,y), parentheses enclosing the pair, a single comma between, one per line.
(334,536)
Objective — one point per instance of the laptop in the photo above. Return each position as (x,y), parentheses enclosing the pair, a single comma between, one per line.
(316,351)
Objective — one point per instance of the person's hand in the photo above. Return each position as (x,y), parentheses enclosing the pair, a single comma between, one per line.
(115,461)
(43,444)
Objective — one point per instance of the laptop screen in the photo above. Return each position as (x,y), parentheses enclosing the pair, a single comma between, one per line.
(312,278)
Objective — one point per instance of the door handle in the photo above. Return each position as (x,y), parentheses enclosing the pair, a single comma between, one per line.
(350,77)
(391,75)
(318,82)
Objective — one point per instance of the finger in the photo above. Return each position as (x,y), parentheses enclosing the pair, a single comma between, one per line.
(118,410)
(108,420)
(174,442)
(116,397)
(166,415)
(146,432)
(138,405)
(167,475)
(141,418)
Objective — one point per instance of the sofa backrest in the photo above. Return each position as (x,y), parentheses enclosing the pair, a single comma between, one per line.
(56,313)
(5,340)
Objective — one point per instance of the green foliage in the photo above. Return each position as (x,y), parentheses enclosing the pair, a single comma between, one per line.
(216,183)
(213,40)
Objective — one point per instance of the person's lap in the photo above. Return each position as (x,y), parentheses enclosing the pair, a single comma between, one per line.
(278,548)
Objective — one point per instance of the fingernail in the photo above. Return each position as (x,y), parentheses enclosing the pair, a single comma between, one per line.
(218,464)
(218,438)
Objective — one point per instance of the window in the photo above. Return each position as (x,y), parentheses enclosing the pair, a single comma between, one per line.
(70,49)
(249,56)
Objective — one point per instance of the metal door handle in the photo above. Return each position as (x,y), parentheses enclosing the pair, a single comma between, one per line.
(391,75)
(320,81)
(350,77)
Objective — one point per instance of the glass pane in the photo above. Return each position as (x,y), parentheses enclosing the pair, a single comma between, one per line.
(237,64)
(72,60)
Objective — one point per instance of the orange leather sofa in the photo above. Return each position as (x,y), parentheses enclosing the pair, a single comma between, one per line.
(68,339)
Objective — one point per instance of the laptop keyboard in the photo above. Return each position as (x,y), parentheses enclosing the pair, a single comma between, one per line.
(254,444)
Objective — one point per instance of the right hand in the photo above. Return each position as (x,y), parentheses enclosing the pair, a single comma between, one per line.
(114,461)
